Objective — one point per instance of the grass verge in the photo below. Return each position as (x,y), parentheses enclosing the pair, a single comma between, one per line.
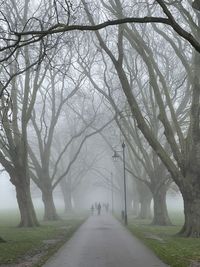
(173,250)
(33,246)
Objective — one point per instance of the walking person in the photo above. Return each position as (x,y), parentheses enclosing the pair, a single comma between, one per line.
(92,209)
(99,209)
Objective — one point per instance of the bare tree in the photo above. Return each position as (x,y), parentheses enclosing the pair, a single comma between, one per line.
(183,160)
(15,118)
(181,166)
(59,88)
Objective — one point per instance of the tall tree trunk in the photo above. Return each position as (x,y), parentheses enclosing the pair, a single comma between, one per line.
(161,216)
(50,213)
(136,200)
(136,207)
(145,208)
(67,196)
(191,200)
(68,201)
(26,208)
(145,197)
(190,187)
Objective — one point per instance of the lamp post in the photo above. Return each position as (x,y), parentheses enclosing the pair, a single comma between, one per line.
(115,156)
(112,197)
(125,204)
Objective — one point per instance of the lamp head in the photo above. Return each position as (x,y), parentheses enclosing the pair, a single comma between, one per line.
(115,156)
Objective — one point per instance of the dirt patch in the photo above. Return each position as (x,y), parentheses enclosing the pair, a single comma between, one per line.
(154,237)
(35,256)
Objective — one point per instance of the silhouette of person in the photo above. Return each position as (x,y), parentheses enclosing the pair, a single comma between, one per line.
(99,209)
(107,207)
(92,209)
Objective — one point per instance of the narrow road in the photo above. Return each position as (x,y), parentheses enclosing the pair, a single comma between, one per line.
(103,242)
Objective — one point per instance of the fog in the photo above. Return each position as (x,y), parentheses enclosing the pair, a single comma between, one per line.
(93,194)
(95,112)
(7,194)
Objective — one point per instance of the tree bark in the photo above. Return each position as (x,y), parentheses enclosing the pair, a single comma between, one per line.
(26,208)
(68,202)
(190,186)
(145,198)
(136,207)
(191,200)
(145,208)
(161,216)
(67,196)
(50,213)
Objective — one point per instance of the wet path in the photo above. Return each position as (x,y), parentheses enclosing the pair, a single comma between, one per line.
(103,242)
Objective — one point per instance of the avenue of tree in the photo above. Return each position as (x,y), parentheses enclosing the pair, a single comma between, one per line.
(142,71)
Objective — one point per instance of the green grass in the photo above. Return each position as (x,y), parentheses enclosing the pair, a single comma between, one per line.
(173,250)
(21,242)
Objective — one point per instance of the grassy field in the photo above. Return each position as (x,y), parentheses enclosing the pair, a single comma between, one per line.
(173,250)
(34,245)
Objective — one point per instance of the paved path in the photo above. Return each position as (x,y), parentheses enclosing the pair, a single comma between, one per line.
(103,242)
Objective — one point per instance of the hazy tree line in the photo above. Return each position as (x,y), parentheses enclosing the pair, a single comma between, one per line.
(60,86)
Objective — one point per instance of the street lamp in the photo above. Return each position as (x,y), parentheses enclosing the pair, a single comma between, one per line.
(112,198)
(115,156)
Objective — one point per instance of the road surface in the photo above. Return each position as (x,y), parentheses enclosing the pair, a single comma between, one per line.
(103,242)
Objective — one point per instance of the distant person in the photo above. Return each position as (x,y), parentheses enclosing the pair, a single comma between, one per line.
(107,207)
(99,209)
(92,209)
